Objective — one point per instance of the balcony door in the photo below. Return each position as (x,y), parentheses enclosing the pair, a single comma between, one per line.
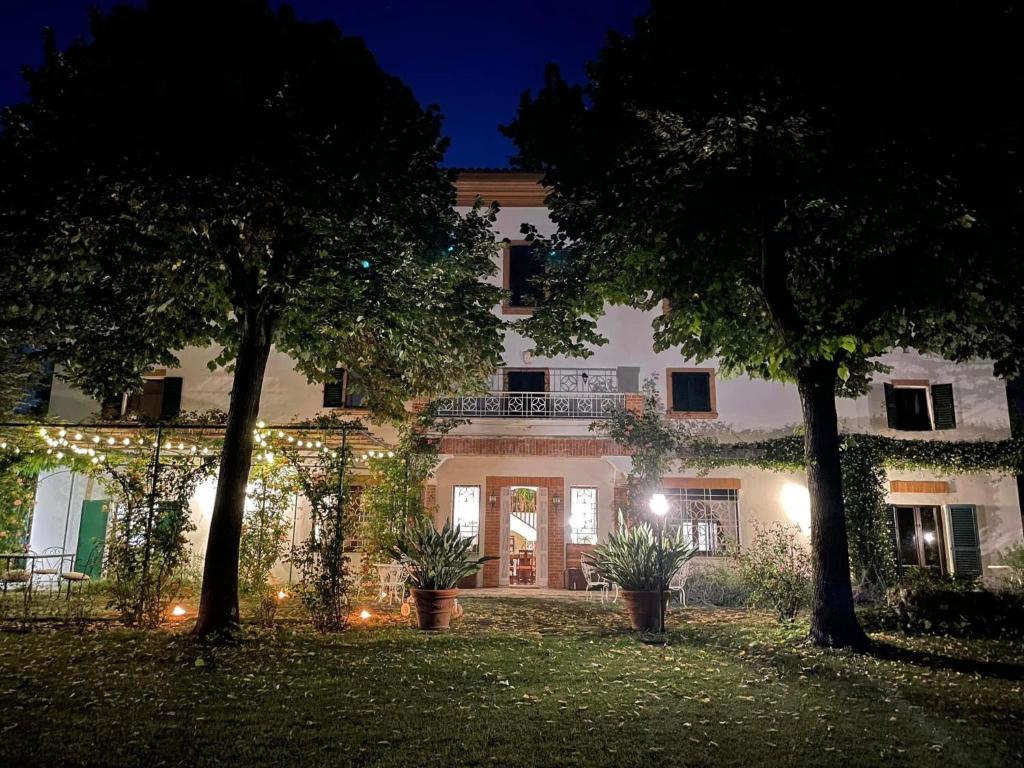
(525,381)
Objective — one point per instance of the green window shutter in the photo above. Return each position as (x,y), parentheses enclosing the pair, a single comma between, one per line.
(334,390)
(892,413)
(170,406)
(942,404)
(894,539)
(963,527)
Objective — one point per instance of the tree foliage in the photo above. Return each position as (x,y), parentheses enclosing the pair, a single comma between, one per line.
(222,173)
(799,206)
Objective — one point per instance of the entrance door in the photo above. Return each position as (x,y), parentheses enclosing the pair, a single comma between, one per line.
(92,532)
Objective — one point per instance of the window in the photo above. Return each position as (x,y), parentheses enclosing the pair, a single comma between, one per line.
(159,400)
(691,392)
(522,265)
(709,517)
(583,515)
(914,406)
(525,381)
(343,391)
(466,512)
(919,537)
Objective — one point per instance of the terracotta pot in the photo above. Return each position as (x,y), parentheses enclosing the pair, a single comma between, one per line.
(434,607)
(643,609)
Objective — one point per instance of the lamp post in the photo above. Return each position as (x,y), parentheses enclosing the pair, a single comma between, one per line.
(659,507)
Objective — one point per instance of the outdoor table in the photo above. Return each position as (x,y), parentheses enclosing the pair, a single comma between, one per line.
(9,561)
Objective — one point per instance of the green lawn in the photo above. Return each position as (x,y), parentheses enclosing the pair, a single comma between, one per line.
(516,682)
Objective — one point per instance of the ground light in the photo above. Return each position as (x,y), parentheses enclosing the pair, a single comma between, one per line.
(659,508)
(364,614)
(178,611)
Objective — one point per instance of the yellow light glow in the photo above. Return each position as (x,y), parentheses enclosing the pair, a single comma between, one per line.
(281,594)
(796,503)
(364,614)
(261,424)
(178,611)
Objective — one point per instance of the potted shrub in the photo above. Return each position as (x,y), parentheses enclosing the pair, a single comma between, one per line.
(630,559)
(436,561)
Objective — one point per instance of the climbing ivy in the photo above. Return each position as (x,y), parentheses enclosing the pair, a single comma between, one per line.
(866,459)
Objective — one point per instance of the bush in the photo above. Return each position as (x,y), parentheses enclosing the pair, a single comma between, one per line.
(1014,559)
(717,584)
(776,568)
(949,606)
(265,525)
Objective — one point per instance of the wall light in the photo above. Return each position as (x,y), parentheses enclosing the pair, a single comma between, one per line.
(796,503)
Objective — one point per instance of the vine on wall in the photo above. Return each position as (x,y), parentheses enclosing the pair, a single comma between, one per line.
(866,460)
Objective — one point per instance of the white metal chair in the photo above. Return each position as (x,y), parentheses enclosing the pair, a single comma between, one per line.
(678,583)
(392,582)
(48,567)
(594,580)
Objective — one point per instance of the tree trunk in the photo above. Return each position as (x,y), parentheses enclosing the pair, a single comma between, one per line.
(218,606)
(833,622)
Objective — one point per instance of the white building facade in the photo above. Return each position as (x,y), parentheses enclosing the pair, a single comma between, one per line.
(538,487)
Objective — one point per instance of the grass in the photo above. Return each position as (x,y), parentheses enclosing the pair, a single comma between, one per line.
(516,682)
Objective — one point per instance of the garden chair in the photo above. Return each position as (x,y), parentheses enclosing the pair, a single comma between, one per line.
(677,584)
(392,582)
(593,579)
(15,576)
(48,568)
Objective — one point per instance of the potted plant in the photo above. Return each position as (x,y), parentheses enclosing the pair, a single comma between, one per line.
(630,558)
(436,561)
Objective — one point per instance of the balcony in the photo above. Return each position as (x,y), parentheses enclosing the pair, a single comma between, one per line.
(542,393)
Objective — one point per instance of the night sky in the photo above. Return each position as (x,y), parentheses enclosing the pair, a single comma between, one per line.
(473,59)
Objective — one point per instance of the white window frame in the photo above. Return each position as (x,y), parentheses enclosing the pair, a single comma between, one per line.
(479,515)
(574,533)
(927,387)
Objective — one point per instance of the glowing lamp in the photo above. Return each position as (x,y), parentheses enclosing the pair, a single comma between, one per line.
(364,614)
(178,611)
(659,504)
(281,594)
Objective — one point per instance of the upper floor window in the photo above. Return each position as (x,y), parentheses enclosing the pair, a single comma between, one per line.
(583,515)
(916,406)
(342,391)
(466,512)
(691,393)
(523,264)
(158,400)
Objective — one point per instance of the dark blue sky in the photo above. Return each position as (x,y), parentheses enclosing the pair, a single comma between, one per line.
(474,59)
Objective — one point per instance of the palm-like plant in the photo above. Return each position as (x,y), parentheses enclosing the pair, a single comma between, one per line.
(436,559)
(630,557)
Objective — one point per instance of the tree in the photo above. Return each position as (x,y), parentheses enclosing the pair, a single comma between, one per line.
(223,173)
(807,186)
(654,443)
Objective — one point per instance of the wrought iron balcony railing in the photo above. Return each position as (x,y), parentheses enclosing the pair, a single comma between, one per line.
(532,405)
